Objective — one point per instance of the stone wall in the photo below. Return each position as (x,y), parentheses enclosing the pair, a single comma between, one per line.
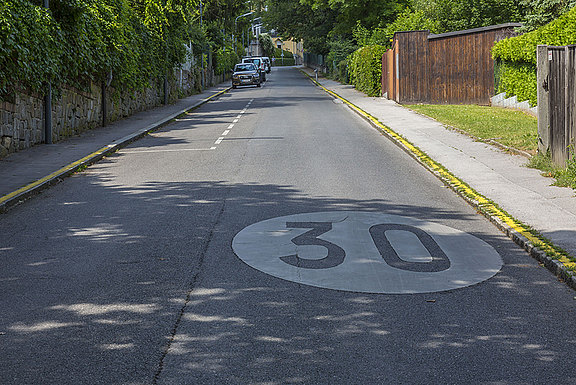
(75,111)
(21,124)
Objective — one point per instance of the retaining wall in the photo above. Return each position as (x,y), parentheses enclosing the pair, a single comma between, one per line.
(75,111)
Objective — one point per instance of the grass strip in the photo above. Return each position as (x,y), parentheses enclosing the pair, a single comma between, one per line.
(511,128)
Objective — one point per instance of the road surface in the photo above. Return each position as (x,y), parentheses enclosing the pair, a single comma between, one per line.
(271,237)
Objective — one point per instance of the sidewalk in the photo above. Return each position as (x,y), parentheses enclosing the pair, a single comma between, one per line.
(499,176)
(27,172)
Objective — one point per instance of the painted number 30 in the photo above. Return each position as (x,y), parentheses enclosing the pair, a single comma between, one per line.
(335,254)
(366,252)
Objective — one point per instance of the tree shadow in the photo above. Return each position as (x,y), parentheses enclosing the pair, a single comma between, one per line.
(139,285)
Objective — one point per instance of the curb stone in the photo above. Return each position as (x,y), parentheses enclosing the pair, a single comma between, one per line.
(486,207)
(16,197)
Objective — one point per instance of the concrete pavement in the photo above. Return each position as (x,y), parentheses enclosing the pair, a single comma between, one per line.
(496,179)
(521,198)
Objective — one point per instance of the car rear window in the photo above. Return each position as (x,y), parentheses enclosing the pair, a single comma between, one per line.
(255,61)
(245,67)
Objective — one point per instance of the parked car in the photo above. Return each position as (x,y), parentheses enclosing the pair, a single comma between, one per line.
(245,74)
(259,64)
(268,64)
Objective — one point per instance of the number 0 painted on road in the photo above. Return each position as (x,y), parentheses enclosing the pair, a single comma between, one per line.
(366,252)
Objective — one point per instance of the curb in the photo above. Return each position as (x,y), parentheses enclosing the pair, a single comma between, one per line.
(558,261)
(16,197)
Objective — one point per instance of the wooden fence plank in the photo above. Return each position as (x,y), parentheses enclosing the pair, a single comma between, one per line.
(455,68)
(557,102)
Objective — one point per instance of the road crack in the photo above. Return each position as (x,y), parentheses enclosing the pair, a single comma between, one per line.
(191,288)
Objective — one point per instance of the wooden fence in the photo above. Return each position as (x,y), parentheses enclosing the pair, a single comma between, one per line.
(449,68)
(557,101)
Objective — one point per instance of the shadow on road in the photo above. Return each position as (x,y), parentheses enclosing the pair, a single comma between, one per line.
(96,288)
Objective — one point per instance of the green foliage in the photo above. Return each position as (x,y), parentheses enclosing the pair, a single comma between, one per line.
(412,20)
(523,48)
(76,42)
(565,176)
(286,61)
(408,20)
(224,60)
(517,78)
(318,22)
(21,62)
(278,53)
(267,45)
(370,13)
(456,15)
(340,50)
(541,12)
(365,69)
(516,56)
(311,25)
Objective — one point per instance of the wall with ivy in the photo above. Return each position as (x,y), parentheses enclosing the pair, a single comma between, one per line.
(516,56)
(77,42)
(76,45)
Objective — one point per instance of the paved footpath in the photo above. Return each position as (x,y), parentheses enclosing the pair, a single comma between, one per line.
(498,175)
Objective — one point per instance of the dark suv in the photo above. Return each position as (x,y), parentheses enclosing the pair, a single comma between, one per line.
(245,74)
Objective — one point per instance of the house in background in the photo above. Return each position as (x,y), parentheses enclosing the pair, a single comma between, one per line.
(296,48)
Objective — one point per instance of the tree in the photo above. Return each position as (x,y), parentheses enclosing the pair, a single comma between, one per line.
(541,12)
(267,45)
(293,19)
(455,15)
(369,13)
(408,20)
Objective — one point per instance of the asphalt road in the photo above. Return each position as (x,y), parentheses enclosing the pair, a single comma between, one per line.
(126,273)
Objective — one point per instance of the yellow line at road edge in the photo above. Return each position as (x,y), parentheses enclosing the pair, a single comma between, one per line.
(533,242)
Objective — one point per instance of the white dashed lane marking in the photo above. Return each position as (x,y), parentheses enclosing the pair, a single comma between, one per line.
(231,126)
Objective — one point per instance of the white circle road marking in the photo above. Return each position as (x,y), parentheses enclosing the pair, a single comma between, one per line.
(366,252)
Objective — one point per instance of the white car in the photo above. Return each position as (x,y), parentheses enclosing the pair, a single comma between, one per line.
(259,62)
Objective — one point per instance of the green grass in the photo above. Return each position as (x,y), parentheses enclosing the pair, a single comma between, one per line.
(565,177)
(509,127)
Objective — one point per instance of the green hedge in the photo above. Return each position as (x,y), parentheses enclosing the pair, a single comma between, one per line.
(79,41)
(365,69)
(516,56)
(288,61)
(225,60)
(561,31)
(517,79)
